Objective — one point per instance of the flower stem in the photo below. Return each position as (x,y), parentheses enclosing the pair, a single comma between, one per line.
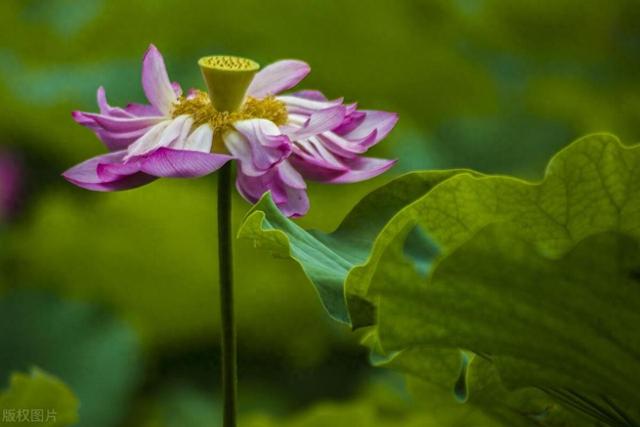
(225,261)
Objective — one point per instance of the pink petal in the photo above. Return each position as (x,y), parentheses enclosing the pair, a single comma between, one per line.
(155,81)
(361,169)
(344,147)
(317,166)
(258,145)
(81,118)
(112,142)
(253,187)
(314,152)
(117,127)
(142,110)
(170,163)
(116,141)
(177,89)
(290,176)
(109,172)
(123,124)
(131,110)
(297,204)
(316,169)
(381,121)
(276,77)
(86,174)
(107,109)
(320,121)
(351,122)
(287,188)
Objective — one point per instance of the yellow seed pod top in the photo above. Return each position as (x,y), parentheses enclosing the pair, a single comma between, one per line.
(227,79)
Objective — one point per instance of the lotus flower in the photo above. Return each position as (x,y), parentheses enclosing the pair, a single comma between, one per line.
(278,140)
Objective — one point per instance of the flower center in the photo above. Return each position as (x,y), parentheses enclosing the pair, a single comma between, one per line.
(199,107)
(227,79)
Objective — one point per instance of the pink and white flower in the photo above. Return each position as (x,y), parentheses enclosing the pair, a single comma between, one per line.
(278,140)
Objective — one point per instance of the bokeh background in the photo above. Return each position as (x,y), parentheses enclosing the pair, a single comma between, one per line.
(116,293)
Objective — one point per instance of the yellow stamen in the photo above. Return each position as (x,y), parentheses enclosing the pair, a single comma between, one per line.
(201,110)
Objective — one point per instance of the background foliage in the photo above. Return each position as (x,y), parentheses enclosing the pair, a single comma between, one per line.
(126,281)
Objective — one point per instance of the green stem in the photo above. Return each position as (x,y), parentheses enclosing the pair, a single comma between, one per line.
(225,260)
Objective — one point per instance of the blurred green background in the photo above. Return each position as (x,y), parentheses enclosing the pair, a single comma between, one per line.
(117,294)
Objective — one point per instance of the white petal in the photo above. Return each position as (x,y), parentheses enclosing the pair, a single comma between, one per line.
(200,139)
(297,105)
(161,135)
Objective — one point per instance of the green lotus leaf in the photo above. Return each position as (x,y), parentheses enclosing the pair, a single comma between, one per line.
(339,264)
(456,387)
(563,325)
(530,278)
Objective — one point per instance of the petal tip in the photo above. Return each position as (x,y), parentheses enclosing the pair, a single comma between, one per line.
(304,66)
(81,118)
(151,49)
